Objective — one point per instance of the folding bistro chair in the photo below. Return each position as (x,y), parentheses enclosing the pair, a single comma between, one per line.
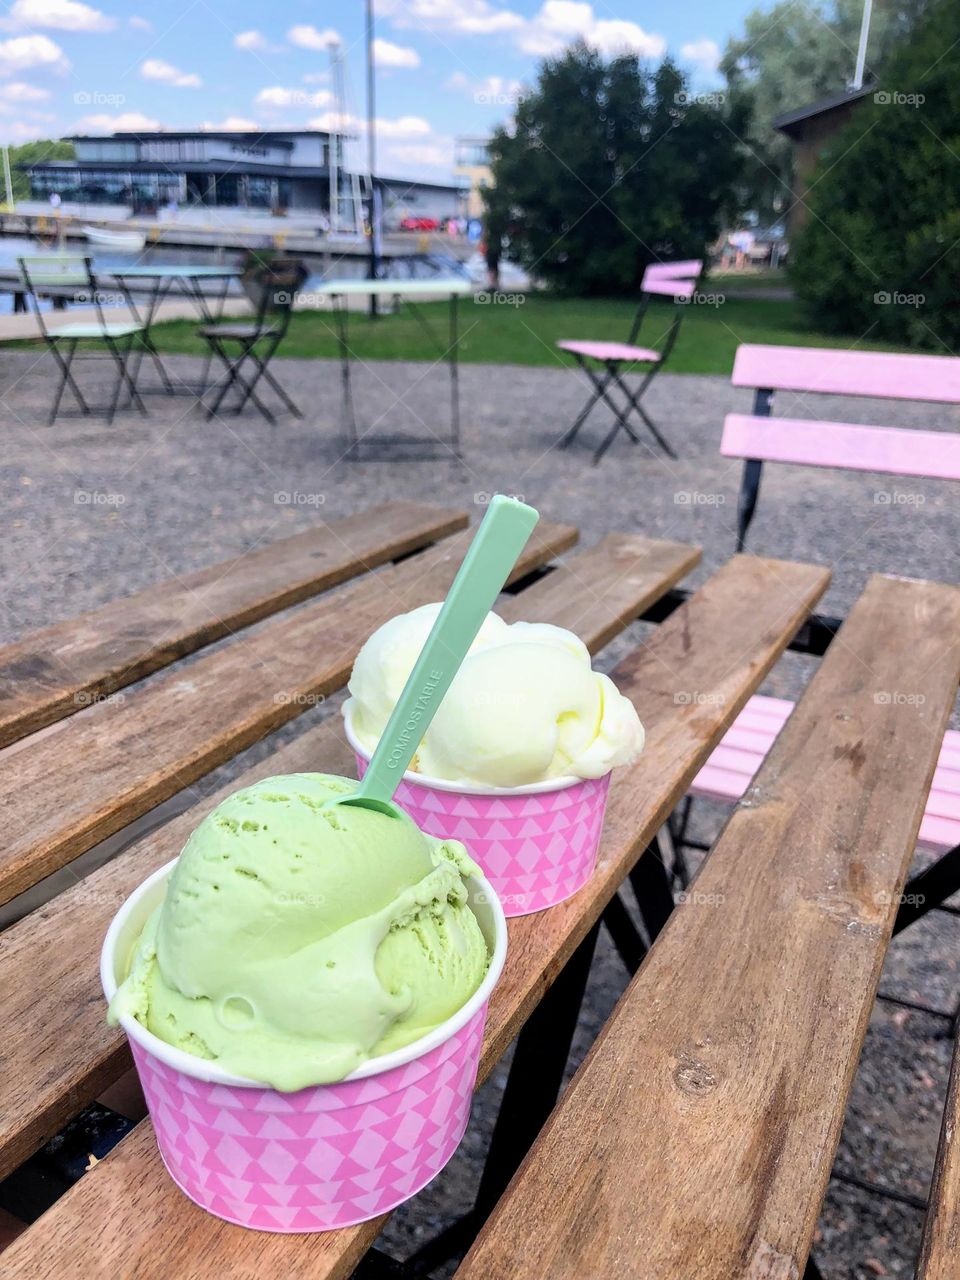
(272,288)
(677,280)
(71,277)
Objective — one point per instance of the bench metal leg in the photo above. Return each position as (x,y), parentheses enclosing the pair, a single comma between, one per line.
(651,888)
(624,934)
(533,1086)
(929,889)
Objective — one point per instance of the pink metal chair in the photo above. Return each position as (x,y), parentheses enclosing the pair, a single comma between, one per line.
(605,362)
(758,438)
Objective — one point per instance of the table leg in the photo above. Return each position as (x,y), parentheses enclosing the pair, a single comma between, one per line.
(453,361)
(157,294)
(449,352)
(348,420)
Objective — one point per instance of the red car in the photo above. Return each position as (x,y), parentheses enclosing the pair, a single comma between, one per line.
(420,224)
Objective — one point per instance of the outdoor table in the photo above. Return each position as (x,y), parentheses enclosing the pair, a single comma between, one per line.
(365,444)
(186,281)
(700,1131)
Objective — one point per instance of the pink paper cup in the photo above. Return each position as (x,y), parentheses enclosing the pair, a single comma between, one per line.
(536,844)
(324,1157)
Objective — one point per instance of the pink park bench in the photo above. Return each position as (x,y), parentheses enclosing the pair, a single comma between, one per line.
(604,362)
(760,438)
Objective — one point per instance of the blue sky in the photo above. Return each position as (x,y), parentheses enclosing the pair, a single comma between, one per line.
(445,67)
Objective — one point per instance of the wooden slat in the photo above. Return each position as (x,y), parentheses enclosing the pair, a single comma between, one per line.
(59,1054)
(697,1138)
(810,443)
(57,671)
(940,1252)
(720,644)
(825,371)
(124,757)
(602,589)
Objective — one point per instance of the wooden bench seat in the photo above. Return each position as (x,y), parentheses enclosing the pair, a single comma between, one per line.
(128,756)
(126,1213)
(940,1249)
(596,592)
(62,669)
(697,1138)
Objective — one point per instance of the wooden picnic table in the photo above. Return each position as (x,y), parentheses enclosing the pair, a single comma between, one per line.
(697,1138)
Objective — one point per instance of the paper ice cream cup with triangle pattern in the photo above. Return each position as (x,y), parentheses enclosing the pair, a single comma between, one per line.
(537,844)
(323,1157)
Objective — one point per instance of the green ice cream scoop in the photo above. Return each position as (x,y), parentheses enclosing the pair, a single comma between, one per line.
(297,939)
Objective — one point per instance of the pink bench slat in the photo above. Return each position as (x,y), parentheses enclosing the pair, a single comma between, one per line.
(934,454)
(938,834)
(670,288)
(732,766)
(673,270)
(852,373)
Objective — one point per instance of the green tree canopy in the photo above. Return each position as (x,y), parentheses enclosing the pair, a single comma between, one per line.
(880,255)
(32,153)
(610,166)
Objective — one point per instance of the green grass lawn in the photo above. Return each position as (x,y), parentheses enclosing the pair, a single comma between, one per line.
(499,333)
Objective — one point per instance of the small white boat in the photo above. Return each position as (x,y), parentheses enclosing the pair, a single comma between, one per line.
(118,241)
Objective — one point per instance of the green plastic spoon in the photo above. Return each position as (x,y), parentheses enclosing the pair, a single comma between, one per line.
(486,567)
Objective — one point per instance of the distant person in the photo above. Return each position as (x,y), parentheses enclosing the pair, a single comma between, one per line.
(55,201)
(742,241)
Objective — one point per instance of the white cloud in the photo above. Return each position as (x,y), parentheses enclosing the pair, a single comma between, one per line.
(490,91)
(308,37)
(403,127)
(18,131)
(133,121)
(560,22)
(140,24)
(167,73)
(317,77)
(238,124)
(62,15)
(279,97)
(465,17)
(24,52)
(17,91)
(386,54)
(705,53)
(429,155)
(255,42)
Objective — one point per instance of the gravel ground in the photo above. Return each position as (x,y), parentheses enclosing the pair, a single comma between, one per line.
(91,512)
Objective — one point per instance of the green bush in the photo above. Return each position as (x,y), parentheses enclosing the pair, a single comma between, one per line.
(610,166)
(880,254)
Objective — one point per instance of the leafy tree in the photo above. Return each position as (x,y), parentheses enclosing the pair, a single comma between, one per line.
(792,55)
(880,255)
(32,153)
(610,166)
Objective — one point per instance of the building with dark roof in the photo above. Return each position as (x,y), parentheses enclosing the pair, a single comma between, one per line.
(810,129)
(282,170)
